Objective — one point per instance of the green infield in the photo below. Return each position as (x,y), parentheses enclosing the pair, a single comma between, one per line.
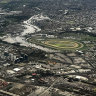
(63,44)
(5,1)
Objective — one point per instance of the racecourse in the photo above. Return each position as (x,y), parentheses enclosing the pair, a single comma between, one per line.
(63,44)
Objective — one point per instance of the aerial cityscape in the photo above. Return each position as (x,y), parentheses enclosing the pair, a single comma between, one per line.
(47,47)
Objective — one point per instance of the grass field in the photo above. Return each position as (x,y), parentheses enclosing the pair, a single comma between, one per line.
(4,1)
(63,44)
(67,44)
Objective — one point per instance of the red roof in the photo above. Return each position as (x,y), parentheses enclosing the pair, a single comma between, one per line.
(34,74)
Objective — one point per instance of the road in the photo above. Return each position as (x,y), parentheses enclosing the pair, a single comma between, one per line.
(42,94)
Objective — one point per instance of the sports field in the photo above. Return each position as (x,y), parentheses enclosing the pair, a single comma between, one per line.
(63,44)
